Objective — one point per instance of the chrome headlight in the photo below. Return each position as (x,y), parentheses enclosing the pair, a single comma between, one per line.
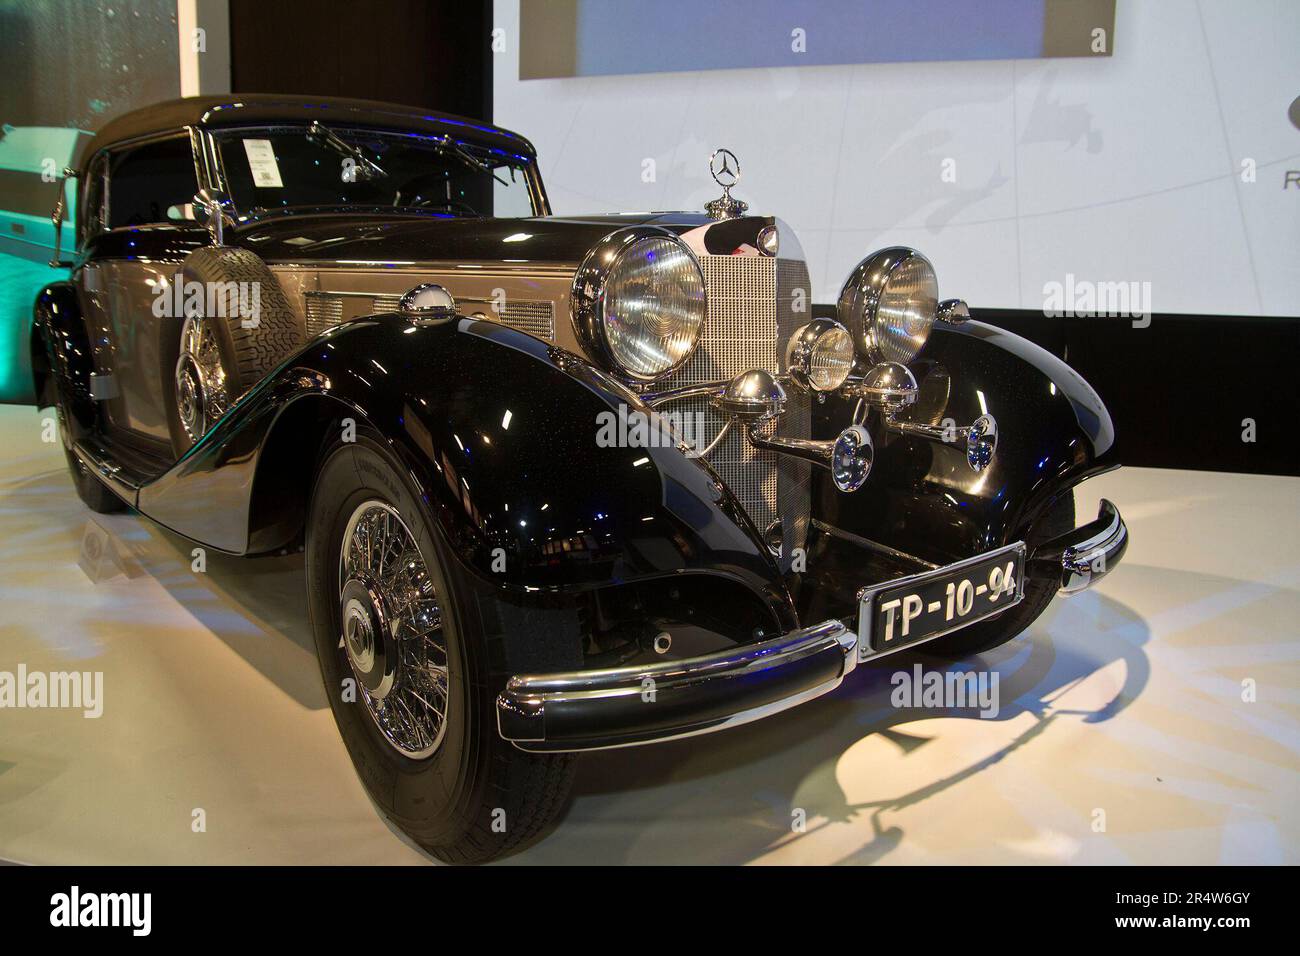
(889,304)
(638,302)
(819,355)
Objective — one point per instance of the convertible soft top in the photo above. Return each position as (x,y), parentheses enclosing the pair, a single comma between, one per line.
(243,109)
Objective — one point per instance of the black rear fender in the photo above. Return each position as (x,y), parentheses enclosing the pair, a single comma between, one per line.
(62,359)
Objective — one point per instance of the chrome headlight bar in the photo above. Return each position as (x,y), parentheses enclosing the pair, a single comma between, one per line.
(755,397)
(887,308)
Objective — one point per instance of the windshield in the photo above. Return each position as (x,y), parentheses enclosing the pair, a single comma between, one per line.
(325,166)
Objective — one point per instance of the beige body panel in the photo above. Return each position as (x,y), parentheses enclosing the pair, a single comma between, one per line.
(478,289)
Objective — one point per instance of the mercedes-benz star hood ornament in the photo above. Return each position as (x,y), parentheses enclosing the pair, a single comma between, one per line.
(725,168)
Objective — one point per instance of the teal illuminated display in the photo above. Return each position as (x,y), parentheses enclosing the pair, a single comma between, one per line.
(32,159)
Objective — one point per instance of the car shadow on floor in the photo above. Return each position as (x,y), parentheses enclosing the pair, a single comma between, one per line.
(729,798)
(724,798)
(269,593)
(256,606)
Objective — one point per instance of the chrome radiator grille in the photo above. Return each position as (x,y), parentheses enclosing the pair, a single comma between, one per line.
(324,310)
(751,303)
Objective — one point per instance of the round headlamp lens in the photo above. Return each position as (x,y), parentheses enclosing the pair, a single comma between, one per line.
(820,355)
(653,306)
(831,359)
(888,303)
(906,310)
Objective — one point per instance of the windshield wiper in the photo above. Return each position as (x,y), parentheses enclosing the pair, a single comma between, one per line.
(366,168)
(460,151)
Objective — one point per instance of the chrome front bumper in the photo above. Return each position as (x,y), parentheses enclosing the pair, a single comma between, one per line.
(1086,555)
(625,706)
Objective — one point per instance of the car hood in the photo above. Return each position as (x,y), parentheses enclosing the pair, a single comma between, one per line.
(386,238)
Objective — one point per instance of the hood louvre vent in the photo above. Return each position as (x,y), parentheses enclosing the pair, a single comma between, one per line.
(324,310)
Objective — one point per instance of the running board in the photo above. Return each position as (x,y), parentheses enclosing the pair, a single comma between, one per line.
(121,480)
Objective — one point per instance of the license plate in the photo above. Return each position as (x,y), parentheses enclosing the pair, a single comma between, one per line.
(922,606)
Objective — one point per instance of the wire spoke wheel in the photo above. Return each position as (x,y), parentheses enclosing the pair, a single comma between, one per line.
(391,627)
(202,395)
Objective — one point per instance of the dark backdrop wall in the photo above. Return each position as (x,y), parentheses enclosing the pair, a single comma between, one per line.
(430,53)
(1180,391)
(1204,392)
(1185,390)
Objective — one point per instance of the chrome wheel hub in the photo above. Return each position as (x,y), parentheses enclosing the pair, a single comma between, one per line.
(392,630)
(368,638)
(201,390)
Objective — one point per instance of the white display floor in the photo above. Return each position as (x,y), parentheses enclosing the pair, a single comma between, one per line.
(1122,736)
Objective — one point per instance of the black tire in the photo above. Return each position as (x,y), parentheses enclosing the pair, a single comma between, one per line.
(247,354)
(452,801)
(1039,591)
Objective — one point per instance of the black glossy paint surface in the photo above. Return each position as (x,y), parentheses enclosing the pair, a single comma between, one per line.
(528,500)
(922,498)
(63,374)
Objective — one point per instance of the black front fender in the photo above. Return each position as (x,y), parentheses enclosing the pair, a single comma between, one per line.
(501,434)
(922,497)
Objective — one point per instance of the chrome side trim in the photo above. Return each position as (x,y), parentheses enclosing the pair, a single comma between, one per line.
(469,267)
(56,214)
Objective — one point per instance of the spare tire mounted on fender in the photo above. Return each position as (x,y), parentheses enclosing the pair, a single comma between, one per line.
(243,329)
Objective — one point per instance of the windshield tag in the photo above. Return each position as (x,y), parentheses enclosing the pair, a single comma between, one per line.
(262,164)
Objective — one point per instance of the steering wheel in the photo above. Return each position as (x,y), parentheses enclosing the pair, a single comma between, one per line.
(413,184)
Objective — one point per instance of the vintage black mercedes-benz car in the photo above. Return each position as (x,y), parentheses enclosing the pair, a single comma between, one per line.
(563,483)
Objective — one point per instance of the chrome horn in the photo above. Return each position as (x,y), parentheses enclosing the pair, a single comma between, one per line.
(754,397)
(892,387)
(981,437)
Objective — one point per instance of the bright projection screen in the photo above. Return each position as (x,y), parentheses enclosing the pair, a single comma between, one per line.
(1017,143)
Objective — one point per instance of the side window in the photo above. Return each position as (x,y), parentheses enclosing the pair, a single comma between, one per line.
(91,207)
(512,200)
(145,182)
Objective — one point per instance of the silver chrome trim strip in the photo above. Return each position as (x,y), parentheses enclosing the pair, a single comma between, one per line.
(470,267)
(871,545)
(531,694)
